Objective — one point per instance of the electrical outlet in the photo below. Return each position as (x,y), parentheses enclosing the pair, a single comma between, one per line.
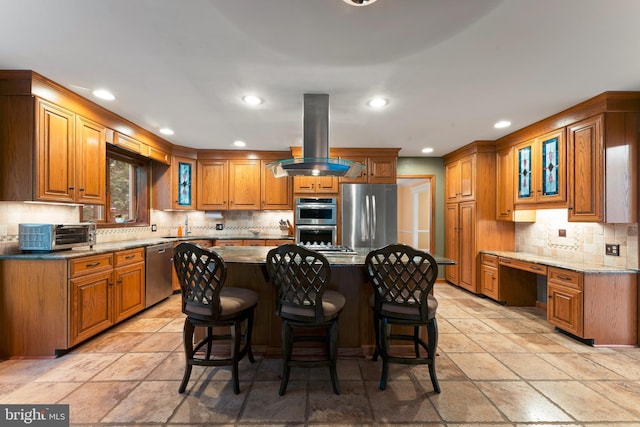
(562,232)
(612,249)
(219,227)
(154,228)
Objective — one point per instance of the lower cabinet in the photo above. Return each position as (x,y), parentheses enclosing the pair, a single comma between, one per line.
(489,284)
(104,290)
(600,308)
(129,283)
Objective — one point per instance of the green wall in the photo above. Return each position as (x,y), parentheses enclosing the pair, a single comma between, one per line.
(429,166)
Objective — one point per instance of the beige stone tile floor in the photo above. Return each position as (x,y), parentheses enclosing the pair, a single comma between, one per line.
(497,366)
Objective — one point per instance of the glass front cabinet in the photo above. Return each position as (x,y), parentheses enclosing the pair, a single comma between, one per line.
(541,176)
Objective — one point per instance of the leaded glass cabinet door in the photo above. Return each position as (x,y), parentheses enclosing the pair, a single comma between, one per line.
(541,171)
(526,185)
(552,167)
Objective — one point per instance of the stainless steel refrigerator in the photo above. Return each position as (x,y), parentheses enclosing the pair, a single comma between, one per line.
(369,215)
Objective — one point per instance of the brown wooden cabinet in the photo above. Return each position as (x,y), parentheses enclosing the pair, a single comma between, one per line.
(213,185)
(70,156)
(459,179)
(489,279)
(129,283)
(276,193)
(564,306)
(470,220)
(602,163)
(244,184)
(315,184)
(91,166)
(504,177)
(378,170)
(540,171)
(130,144)
(90,296)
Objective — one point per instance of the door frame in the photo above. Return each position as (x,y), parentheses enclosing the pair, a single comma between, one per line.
(432,178)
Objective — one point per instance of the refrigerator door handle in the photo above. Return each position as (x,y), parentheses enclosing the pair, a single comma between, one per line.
(374,217)
(367,217)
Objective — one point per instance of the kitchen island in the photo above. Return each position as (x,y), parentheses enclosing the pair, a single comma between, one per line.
(246,268)
(51,302)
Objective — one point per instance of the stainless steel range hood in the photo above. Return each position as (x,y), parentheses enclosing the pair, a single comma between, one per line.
(315,159)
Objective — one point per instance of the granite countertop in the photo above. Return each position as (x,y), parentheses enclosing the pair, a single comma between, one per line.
(231,254)
(581,267)
(101,248)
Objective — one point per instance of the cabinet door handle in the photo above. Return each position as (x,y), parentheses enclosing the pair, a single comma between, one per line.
(72,188)
(549,297)
(81,189)
(536,268)
(129,257)
(92,264)
(564,277)
(504,261)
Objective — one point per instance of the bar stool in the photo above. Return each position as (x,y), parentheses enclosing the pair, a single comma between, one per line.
(402,278)
(207,303)
(300,277)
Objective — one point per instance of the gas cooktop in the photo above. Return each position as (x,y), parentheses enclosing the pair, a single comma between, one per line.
(328,248)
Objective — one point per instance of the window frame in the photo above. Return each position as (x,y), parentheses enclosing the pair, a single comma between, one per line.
(143,175)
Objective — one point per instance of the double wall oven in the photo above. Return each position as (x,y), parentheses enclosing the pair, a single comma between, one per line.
(316,220)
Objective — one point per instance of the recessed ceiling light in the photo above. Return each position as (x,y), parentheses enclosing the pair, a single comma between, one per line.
(166,131)
(427,150)
(239,143)
(359,2)
(252,100)
(104,94)
(502,124)
(377,102)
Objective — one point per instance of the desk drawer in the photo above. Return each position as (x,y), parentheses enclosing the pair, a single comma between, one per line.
(569,278)
(490,260)
(523,265)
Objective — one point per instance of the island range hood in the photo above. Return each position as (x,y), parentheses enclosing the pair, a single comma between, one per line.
(315,160)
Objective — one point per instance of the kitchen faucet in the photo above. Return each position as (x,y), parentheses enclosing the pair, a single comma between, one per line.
(186,225)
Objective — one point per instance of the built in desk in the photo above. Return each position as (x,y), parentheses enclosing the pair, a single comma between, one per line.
(594,303)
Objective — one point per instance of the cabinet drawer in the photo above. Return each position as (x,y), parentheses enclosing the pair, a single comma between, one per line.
(129,257)
(228,242)
(523,265)
(568,278)
(90,265)
(203,243)
(488,259)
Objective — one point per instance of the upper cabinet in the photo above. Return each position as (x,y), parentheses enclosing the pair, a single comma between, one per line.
(183,185)
(54,143)
(602,152)
(587,163)
(91,162)
(239,180)
(276,193)
(459,179)
(315,184)
(378,170)
(213,185)
(244,184)
(540,170)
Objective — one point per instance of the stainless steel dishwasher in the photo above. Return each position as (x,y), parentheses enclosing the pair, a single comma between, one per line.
(158,267)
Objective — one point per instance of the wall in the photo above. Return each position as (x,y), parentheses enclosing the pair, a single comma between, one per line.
(584,242)
(235,223)
(429,166)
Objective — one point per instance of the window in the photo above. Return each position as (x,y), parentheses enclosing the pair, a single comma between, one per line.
(127,192)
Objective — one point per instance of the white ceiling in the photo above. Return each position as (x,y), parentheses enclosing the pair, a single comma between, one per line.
(450,68)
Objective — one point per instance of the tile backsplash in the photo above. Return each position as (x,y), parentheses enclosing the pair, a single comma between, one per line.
(582,241)
(235,223)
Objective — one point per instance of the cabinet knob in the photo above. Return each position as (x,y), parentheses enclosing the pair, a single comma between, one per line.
(549,297)
(72,188)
